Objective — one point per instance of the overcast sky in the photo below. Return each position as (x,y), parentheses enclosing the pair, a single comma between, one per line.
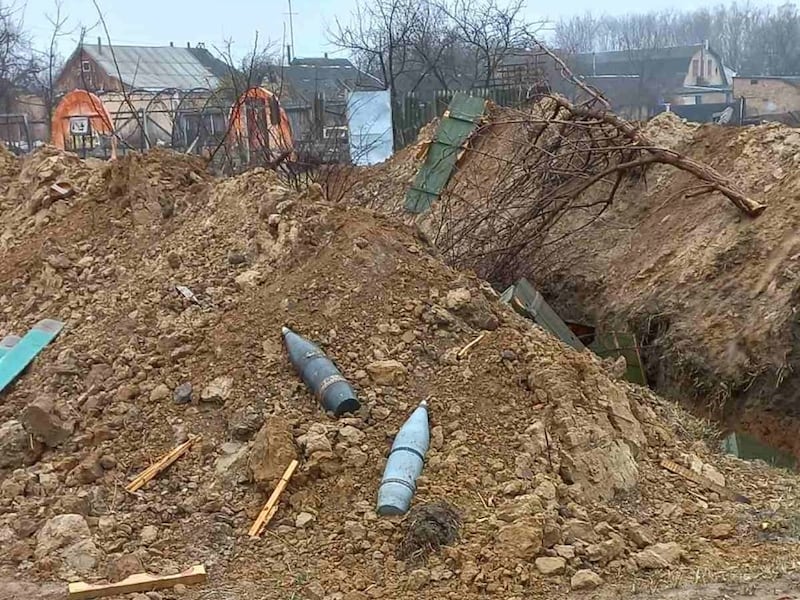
(158,22)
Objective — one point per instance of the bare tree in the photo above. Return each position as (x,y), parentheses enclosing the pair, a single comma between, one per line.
(18,67)
(577,34)
(379,36)
(490,30)
(50,61)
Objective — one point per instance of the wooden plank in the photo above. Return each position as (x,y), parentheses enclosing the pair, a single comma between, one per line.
(271,507)
(141,582)
(463,352)
(162,463)
(703,481)
(458,124)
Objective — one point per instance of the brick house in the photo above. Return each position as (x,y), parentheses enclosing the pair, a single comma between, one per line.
(769,95)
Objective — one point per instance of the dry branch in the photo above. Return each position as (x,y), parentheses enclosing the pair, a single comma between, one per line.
(670,157)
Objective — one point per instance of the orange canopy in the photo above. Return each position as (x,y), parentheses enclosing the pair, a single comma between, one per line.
(79,103)
(258,118)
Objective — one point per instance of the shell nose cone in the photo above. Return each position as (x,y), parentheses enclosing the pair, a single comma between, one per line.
(285,330)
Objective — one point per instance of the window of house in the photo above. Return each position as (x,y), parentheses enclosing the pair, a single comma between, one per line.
(695,68)
(698,99)
(754,82)
(709,67)
(86,66)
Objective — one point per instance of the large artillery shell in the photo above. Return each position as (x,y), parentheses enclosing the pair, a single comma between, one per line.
(405,464)
(320,374)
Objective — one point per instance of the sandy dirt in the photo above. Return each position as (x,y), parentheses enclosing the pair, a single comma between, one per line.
(544,454)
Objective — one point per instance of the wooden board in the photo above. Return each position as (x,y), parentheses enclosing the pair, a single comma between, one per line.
(703,481)
(141,582)
(271,507)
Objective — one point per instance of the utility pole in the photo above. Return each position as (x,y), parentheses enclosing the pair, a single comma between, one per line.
(291,26)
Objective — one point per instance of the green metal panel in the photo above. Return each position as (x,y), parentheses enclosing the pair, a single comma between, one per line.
(614,344)
(458,124)
(529,303)
(747,447)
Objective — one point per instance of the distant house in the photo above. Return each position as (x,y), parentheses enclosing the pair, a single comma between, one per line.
(96,68)
(772,96)
(143,96)
(637,82)
(313,91)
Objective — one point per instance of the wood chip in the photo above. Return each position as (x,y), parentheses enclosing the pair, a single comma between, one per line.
(271,507)
(703,481)
(162,463)
(141,582)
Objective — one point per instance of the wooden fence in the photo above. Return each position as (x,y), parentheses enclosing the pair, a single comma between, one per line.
(413,110)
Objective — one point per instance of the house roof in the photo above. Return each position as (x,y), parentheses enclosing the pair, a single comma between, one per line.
(159,67)
(667,64)
(789,78)
(331,77)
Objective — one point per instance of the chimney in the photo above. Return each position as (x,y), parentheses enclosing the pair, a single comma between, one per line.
(188,44)
(171,45)
(288,53)
(705,44)
(99,43)
(326,55)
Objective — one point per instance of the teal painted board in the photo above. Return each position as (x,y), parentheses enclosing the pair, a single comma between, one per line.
(24,351)
(7,343)
(460,121)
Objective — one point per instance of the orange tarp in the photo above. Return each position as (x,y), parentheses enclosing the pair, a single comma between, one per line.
(252,120)
(79,103)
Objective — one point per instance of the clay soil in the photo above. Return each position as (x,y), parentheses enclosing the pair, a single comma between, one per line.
(541,450)
(710,293)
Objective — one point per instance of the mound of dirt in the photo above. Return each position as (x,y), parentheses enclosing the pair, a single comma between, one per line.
(552,465)
(710,293)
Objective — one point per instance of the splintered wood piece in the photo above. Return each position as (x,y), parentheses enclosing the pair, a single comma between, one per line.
(703,481)
(141,582)
(271,507)
(463,352)
(162,463)
(59,191)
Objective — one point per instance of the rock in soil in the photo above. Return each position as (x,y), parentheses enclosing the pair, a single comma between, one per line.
(585,580)
(272,451)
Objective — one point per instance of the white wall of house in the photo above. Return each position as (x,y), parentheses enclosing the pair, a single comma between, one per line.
(704,69)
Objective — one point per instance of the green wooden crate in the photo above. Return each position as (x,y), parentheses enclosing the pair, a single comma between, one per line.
(460,120)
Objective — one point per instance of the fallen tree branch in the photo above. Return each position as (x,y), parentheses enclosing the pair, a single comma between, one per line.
(750,207)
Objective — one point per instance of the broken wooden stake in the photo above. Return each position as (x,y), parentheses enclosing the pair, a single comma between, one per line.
(141,582)
(162,463)
(271,507)
(60,191)
(703,481)
(463,352)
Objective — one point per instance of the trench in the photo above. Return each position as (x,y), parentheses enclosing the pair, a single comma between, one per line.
(758,422)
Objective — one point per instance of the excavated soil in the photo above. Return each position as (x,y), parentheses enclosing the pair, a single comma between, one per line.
(551,464)
(710,293)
